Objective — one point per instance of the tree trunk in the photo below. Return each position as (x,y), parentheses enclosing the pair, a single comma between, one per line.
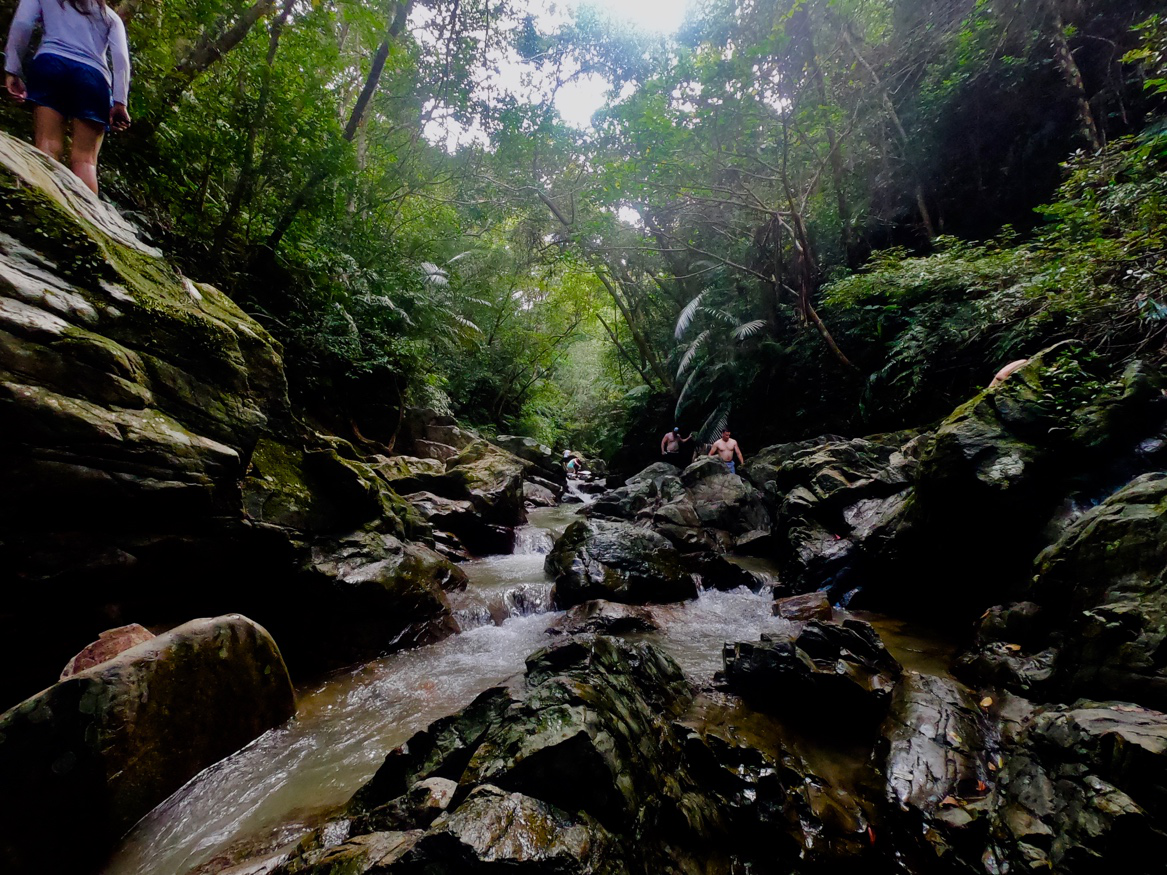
(213,45)
(246,180)
(1073,76)
(396,26)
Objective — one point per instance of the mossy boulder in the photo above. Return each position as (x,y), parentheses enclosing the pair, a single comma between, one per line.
(540,456)
(101,748)
(1007,470)
(368,593)
(492,479)
(618,562)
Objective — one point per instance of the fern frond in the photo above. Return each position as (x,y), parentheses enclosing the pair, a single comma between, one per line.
(715,424)
(686,317)
(691,352)
(722,316)
(749,329)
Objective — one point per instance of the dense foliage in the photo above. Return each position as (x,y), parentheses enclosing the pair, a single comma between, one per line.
(795,216)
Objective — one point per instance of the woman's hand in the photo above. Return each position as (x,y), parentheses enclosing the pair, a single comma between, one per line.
(119,117)
(15,86)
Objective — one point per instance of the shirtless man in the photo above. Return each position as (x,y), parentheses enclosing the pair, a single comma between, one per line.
(726,448)
(672,446)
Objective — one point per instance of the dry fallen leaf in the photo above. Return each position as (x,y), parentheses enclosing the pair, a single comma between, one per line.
(982,786)
(949,801)
(992,766)
(987,702)
(1013,647)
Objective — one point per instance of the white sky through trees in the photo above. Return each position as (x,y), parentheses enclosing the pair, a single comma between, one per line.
(576,95)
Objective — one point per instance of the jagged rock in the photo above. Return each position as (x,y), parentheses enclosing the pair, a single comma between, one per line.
(373,853)
(626,502)
(717,572)
(619,562)
(1082,791)
(540,496)
(433,450)
(423,428)
(999,466)
(108,645)
(324,490)
(551,486)
(463,520)
(834,500)
(417,808)
(587,730)
(1103,591)
(809,606)
(371,593)
(607,618)
(120,737)
(496,831)
(656,473)
(1097,611)
(406,474)
(829,672)
(724,501)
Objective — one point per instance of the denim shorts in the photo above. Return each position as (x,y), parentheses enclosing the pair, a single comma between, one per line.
(73,89)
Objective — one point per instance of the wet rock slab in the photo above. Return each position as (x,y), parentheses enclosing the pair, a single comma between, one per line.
(829,672)
(608,618)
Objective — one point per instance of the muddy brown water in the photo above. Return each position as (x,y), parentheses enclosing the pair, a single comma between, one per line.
(292,778)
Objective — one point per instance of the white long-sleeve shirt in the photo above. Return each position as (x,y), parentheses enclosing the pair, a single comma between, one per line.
(73,35)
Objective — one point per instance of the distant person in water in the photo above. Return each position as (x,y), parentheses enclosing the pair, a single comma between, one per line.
(725,449)
(1007,371)
(672,447)
(70,77)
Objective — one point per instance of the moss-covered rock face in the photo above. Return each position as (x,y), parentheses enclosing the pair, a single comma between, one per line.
(1095,624)
(999,477)
(130,401)
(152,467)
(101,748)
(492,479)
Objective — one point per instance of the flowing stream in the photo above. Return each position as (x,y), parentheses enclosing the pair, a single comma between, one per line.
(290,779)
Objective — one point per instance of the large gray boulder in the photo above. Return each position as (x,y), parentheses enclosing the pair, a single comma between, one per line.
(618,562)
(101,748)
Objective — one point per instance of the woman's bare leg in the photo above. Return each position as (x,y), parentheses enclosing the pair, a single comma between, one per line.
(87,137)
(48,131)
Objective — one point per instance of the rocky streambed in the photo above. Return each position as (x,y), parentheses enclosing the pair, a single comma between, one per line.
(675,674)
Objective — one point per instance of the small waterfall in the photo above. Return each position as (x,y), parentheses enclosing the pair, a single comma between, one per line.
(502,587)
(581,497)
(531,540)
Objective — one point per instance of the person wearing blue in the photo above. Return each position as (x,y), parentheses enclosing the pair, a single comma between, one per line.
(70,77)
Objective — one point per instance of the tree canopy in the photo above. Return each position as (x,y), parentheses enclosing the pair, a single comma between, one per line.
(795,215)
